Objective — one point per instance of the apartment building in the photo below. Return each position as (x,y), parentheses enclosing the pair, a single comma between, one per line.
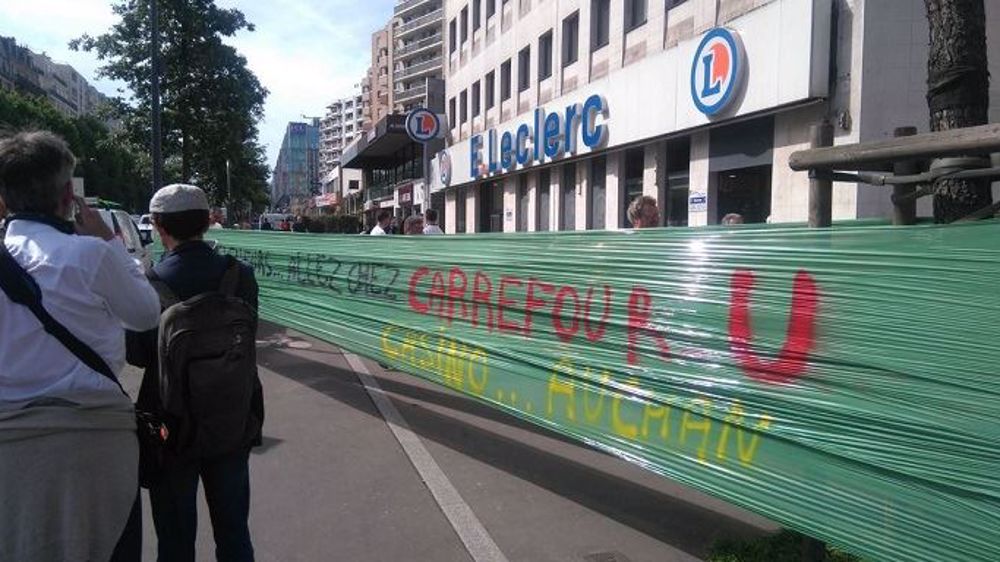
(343,123)
(417,61)
(562,112)
(379,100)
(36,74)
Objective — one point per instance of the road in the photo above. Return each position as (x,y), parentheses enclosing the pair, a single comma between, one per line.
(333,482)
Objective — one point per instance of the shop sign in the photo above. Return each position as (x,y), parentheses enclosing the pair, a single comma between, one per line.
(697,203)
(405,194)
(423,125)
(717,71)
(548,136)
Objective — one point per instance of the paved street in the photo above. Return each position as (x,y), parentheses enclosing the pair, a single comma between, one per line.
(332,482)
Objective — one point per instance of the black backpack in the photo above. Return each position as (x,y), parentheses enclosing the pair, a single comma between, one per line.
(208,368)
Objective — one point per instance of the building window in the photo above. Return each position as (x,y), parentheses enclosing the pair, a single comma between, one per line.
(523,201)
(465,24)
(463,106)
(635,163)
(635,14)
(524,69)
(598,193)
(490,90)
(476,99)
(505,81)
(460,210)
(543,200)
(545,56)
(452,37)
(600,23)
(477,13)
(491,8)
(567,201)
(451,113)
(571,39)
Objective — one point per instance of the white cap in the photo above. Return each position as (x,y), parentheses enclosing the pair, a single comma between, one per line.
(178,197)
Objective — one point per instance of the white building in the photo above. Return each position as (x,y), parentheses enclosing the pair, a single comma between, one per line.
(561,112)
(342,124)
(417,52)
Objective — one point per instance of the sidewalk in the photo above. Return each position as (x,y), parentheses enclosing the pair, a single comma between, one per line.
(333,483)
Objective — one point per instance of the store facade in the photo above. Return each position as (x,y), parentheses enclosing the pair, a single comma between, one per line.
(561,113)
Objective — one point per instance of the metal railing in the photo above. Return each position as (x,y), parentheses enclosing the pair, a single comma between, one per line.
(419,45)
(415,69)
(403,95)
(421,21)
(403,7)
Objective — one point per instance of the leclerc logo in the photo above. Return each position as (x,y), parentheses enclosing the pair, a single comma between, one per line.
(422,125)
(716,71)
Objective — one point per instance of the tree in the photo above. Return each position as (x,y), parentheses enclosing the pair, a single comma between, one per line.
(958,92)
(112,168)
(212,102)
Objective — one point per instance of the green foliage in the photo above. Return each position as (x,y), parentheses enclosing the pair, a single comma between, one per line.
(111,167)
(785,546)
(211,101)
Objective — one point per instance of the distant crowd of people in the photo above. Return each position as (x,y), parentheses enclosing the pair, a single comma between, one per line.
(386,223)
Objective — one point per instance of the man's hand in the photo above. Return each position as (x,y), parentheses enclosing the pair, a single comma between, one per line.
(90,223)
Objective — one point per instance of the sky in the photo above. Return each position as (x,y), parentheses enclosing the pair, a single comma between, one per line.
(305,52)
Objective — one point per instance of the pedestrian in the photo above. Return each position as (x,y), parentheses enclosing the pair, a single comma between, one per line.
(414,224)
(732,218)
(299,225)
(643,212)
(266,224)
(68,448)
(383,219)
(212,426)
(431,222)
(283,225)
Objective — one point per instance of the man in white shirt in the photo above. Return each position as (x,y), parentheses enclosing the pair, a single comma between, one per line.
(384,216)
(70,484)
(431,222)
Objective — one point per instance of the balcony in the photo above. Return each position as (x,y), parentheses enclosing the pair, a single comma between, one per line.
(418,69)
(407,6)
(403,96)
(418,46)
(420,23)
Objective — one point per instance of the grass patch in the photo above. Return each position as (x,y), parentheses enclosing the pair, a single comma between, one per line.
(786,546)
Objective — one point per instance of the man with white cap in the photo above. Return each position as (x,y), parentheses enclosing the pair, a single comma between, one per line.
(211,438)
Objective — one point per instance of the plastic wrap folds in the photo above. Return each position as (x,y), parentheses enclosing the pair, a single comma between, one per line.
(842,381)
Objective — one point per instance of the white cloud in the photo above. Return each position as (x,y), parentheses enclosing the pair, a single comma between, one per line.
(305,52)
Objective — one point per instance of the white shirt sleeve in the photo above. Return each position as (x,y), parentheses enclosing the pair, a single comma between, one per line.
(123,285)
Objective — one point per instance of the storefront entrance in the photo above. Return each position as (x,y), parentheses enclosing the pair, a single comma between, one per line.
(490,207)
(747,192)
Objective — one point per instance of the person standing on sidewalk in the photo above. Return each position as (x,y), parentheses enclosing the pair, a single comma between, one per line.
(69,455)
(431,222)
(213,408)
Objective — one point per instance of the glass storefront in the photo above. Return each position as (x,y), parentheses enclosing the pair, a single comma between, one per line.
(543,199)
(567,198)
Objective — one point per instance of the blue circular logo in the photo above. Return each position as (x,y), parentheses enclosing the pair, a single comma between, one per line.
(444,166)
(715,71)
(422,125)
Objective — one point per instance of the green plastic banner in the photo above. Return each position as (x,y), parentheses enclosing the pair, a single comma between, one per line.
(840,381)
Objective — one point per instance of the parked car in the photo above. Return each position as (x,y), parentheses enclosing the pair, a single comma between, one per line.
(125,229)
(145,224)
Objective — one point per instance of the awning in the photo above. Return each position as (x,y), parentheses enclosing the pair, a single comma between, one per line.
(378,147)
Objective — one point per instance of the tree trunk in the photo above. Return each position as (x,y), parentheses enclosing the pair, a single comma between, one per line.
(957,92)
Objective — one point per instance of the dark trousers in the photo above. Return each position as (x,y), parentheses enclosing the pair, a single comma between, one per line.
(173,498)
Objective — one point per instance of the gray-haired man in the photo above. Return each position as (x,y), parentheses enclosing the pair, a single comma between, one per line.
(68,447)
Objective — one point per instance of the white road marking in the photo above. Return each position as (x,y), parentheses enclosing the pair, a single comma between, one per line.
(477,540)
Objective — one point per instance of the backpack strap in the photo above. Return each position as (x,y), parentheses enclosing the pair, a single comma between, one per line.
(231,279)
(167,297)
(21,288)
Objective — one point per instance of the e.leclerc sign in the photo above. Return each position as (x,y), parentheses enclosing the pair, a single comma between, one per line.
(717,71)
(549,135)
